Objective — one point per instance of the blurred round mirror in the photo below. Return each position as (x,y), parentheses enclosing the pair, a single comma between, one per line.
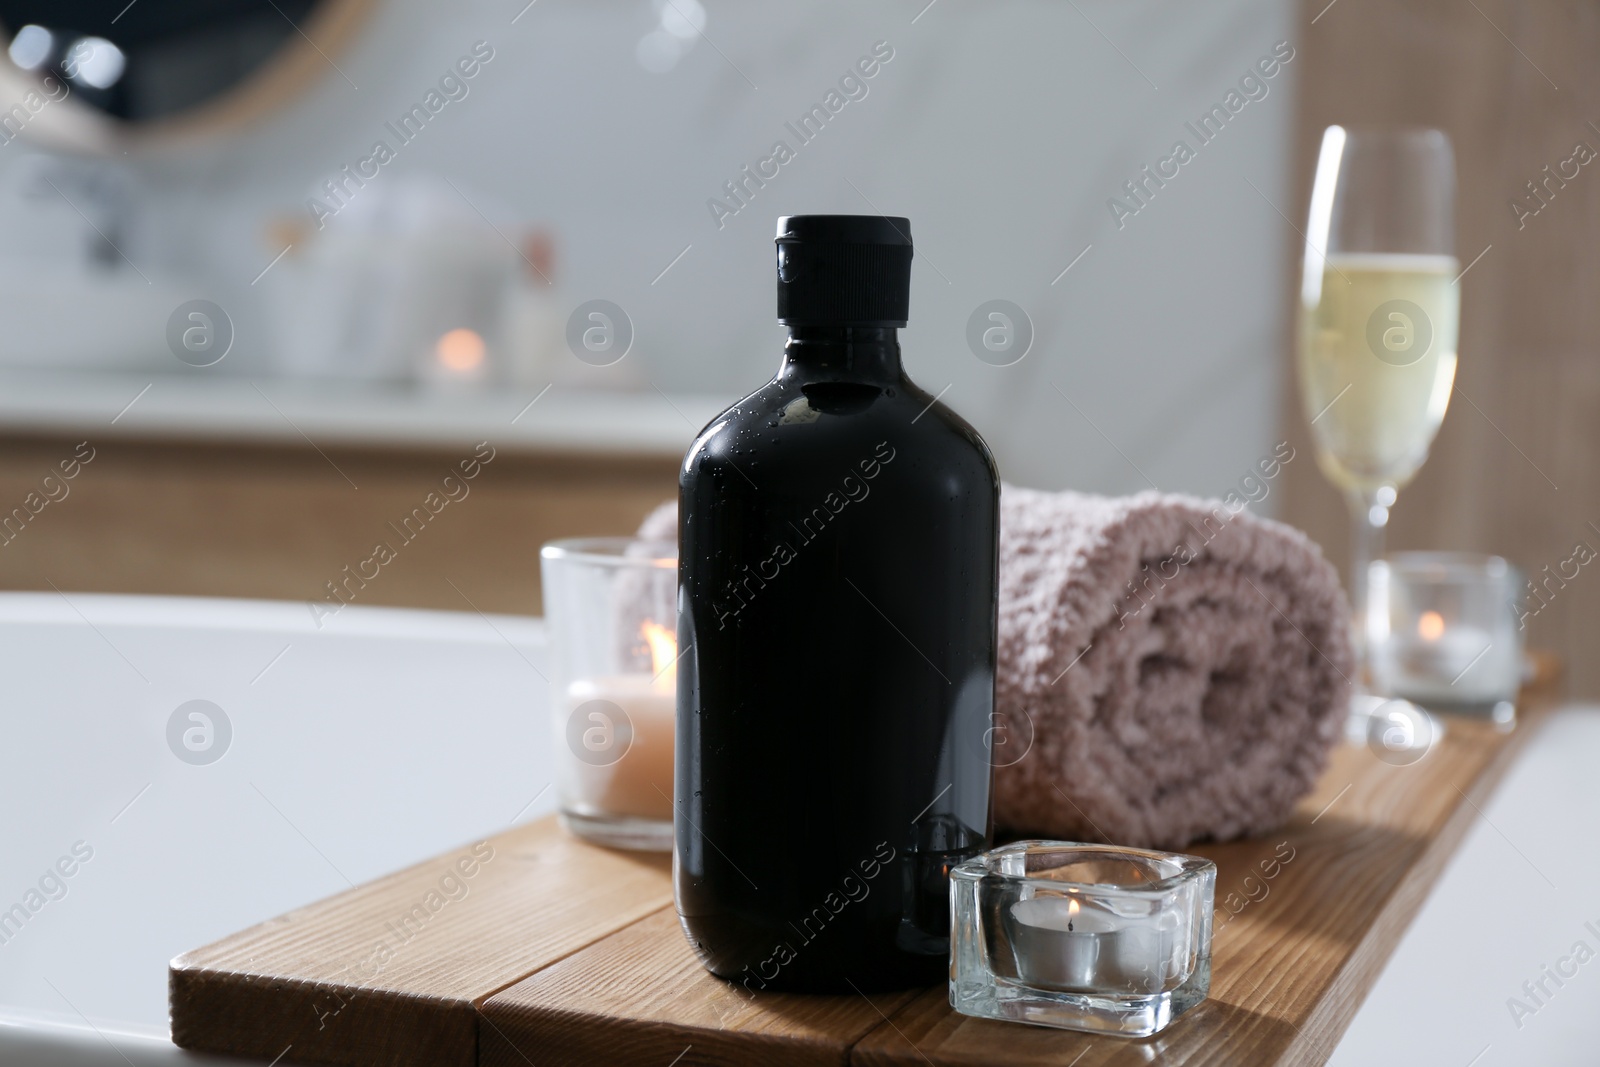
(159,63)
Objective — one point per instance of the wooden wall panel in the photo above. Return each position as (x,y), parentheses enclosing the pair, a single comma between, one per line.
(280,523)
(1514,469)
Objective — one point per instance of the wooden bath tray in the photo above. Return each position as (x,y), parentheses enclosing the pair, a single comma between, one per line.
(536,950)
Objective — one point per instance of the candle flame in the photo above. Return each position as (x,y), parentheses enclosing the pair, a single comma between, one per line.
(460,350)
(1072,912)
(1430,626)
(663,654)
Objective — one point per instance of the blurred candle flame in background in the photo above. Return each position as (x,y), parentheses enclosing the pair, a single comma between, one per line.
(460,350)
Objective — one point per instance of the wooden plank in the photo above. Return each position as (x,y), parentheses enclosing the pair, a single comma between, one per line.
(641,996)
(391,972)
(1291,966)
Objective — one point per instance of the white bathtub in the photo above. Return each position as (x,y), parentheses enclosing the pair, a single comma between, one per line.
(383,738)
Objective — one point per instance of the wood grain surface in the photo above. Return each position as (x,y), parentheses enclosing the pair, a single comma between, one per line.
(641,996)
(391,972)
(560,953)
(194,519)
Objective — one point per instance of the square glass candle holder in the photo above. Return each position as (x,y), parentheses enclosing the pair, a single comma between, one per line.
(1443,631)
(1086,937)
(611,607)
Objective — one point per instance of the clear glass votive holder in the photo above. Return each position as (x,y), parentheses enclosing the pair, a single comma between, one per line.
(610,604)
(1443,631)
(1097,938)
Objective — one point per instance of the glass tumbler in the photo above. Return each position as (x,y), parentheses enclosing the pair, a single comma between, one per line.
(1444,632)
(1087,937)
(611,607)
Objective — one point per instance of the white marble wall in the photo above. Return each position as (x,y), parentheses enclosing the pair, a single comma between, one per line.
(1001,129)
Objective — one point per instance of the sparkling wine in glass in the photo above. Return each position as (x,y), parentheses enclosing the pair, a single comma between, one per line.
(1379,309)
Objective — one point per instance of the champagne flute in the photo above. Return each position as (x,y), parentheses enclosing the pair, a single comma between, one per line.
(1379,310)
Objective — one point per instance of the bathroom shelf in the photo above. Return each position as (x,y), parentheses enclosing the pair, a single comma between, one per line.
(562,953)
(293,412)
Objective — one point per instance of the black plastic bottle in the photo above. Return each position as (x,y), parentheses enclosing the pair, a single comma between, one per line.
(837,608)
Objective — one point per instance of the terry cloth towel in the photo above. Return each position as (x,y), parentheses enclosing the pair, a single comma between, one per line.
(1169,669)
(661,524)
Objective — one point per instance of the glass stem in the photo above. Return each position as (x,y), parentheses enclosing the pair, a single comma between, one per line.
(1369,514)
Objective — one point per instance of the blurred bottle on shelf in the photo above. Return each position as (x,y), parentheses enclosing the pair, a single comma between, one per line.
(535,328)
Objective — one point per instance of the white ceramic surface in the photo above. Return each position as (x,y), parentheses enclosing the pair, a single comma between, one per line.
(1514,899)
(383,738)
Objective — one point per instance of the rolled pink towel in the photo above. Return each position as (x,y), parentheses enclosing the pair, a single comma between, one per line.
(661,524)
(1170,669)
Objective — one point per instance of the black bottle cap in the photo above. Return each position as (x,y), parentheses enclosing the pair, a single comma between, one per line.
(844,270)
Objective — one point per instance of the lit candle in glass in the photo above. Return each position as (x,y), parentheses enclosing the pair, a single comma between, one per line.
(1085,937)
(611,608)
(637,778)
(1442,630)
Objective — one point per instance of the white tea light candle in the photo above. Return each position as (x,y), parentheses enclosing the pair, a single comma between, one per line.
(1061,944)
